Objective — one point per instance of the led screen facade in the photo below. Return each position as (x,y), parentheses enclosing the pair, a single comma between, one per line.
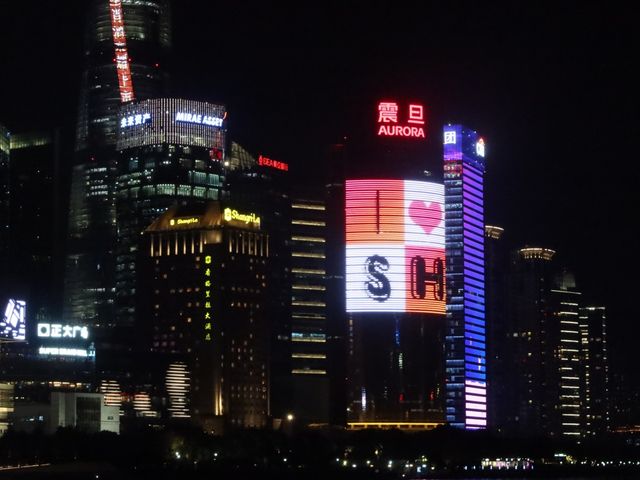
(465,342)
(395,246)
(12,322)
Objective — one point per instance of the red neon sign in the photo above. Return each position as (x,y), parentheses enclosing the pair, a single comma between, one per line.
(389,124)
(122,56)
(267,162)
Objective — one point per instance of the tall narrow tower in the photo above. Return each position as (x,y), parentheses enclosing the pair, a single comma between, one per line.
(127,44)
(466,375)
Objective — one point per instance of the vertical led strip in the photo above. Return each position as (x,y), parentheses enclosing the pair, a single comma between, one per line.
(125,82)
(466,339)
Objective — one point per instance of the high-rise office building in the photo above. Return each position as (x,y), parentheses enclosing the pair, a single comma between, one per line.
(203,287)
(127,44)
(594,360)
(295,218)
(395,301)
(337,330)
(171,152)
(261,184)
(530,278)
(563,362)
(498,358)
(4,204)
(36,220)
(544,340)
(466,347)
(308,297)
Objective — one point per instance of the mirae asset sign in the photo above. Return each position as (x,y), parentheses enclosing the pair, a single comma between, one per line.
(200,119)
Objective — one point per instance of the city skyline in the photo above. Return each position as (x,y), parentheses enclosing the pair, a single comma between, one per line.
(545,104)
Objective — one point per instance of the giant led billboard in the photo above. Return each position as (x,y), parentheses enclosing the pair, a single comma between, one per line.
(12,322)
(395,246)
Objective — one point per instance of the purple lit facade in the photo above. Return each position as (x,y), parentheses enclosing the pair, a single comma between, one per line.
(466,372)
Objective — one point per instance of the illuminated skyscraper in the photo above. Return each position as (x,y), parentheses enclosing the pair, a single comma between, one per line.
(594,359)
(296,221)
(170,153)
(544,340)
(310,384)
(466,373)
(395,301)
(204,329)
(562,360)
(127,44)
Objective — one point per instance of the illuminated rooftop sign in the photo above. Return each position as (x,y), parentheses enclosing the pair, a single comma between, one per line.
(394,122)
(12,324)
(59,330)
(138,119)
(231,215)
(184,221)
(199,119)
(267,162)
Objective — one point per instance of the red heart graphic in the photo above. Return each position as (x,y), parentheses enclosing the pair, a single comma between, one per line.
(427,216)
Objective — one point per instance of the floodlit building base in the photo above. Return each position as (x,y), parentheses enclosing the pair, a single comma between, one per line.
(405,426)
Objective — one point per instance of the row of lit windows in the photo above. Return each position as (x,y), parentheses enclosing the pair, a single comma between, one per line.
(248,243)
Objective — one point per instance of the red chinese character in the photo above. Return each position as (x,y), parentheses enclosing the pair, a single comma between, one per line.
(387,112)
(416,114)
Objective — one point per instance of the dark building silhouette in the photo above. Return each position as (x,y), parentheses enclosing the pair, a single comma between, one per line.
(36,222)
(530,279)
(4,205)
(498,357)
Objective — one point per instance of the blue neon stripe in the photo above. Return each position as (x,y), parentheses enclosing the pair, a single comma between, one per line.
(475,336)
(470,273)
(479,376)
(471,367)
(475,351)
(475,359)
(475,283)
(475,343)
(474,328)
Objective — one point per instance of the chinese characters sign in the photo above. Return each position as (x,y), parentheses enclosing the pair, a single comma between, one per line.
(395,120)
(122,56)
(207,300)
(138,119)
(58,330)
(395,246)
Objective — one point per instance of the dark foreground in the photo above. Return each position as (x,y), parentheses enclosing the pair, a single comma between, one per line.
(182,452)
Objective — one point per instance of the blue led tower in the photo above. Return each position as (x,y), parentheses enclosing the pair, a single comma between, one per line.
(466,374)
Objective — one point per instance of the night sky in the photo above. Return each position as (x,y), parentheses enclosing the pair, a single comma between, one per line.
(550,86)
